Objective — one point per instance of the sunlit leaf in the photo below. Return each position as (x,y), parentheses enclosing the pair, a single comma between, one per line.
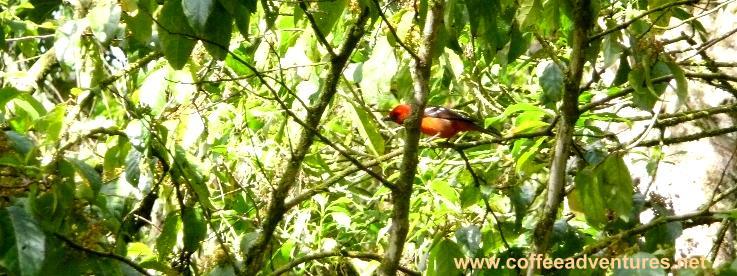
(176,38)
(197,13)
(681,82)
(440,261)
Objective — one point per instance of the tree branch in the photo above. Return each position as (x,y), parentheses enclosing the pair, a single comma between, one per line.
(276,209)
(634,19)
(688,138)
(393,31)
(338,177)
(401,196)
(583,22)
(315,28)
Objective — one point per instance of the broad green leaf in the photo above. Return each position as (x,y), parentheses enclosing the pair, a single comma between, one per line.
(168,237)
(30,242)
(681,82)
(30,105)
(191,175)
(588,199)
(89,174)
(52,123)
(20,143)
(327,14)
(440,261)
(469,196)
(367,129)
(195,228)
(550,16)
(176,37)
(642,97)
(447,193)
(616,186)
(528,12)
(518,43)
(529,126)
(524,164)
(197,13)
(623,71)
(551,81)
(139,250)
(7,94)
(132,167)
(219,30)
(141,25)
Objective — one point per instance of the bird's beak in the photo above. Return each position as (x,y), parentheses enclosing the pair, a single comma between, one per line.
(387,119)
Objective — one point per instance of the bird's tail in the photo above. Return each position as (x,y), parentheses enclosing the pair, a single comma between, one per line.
(491,130)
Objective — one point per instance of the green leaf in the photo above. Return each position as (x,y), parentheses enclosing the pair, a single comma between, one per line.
(132,167)
(197,13)
(89,174)
(188,172)
(524,164)
(7,94)
(681,82)
(642,97)
(470,195)
(616,186)
(176,41)
(20,143)
(168,237)
(327,14)
(141,25)
(30,242)
(529,126)
(195,228)
(219,31)
(440,262)
(528,13)
(367,129)
(51,124)
(447,193)
(623,71)
(552,83)
(587,193)
(518,43)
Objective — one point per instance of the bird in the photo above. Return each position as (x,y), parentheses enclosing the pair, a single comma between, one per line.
(439,121)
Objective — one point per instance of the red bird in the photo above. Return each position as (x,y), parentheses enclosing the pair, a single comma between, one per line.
(439,121)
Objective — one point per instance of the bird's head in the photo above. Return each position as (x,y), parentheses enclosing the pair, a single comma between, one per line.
(399,113)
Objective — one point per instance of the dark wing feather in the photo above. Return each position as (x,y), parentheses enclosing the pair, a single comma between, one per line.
(445,113)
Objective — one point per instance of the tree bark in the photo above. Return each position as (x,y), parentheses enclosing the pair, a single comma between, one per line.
(401,195)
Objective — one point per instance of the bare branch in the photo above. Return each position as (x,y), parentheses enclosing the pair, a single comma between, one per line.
(634,19)
(315,28)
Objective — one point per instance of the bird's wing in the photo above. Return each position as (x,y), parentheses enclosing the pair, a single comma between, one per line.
(445,113)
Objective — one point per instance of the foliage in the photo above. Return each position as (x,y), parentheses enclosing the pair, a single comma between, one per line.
(153,136)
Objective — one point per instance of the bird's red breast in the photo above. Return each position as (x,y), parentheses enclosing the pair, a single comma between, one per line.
(438,121)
